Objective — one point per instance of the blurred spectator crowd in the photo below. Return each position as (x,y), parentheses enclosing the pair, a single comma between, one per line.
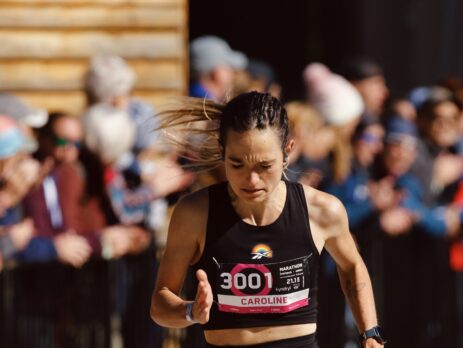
(85,200)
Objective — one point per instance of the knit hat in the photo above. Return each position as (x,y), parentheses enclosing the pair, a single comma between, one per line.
(17,109)
(11,138)
(333,96)
(108,77)
(208,52)
(399,130)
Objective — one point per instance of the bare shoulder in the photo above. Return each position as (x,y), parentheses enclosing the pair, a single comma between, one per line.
(188,224)
(326,209)
(190,214)
(194,205)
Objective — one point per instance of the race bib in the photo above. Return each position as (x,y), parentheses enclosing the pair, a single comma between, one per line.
(263,288)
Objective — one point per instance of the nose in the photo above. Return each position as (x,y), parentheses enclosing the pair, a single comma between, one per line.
(253,178)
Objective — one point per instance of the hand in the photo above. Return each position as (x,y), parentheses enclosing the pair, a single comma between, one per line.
(167,177)
(203,300)
(383,195)
(447,169)
(140,239)
(72,249)
(21,233)
(20,175)
(117,240)
(371,343)
(452,221)
(396,221)
(122,240)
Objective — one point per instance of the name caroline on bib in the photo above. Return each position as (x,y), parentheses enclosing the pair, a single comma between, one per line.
(278,287)
(264,300)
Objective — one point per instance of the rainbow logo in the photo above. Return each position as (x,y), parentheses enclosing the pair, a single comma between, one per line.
(260,251)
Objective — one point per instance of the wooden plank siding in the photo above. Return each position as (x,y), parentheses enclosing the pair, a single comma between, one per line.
(96,2)
(41,44)
(71,101)
(46,46)
(97,16)
(67,75)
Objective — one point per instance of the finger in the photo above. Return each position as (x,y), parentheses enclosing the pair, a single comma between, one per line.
(201,275)
(80,256)
(200,292)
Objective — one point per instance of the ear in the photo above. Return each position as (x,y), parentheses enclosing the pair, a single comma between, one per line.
(289,147)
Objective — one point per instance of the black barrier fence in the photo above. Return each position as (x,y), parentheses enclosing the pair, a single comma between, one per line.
(51,305)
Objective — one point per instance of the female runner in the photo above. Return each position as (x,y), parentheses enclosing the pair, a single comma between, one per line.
(254,240)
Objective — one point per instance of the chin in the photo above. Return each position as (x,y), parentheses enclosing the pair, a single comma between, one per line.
(257,198)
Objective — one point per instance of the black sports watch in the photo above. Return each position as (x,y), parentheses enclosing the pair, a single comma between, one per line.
(375,332)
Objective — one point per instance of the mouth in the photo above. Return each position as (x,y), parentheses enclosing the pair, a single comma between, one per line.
(252,191)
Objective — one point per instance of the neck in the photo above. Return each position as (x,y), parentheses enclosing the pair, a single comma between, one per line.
(261,213)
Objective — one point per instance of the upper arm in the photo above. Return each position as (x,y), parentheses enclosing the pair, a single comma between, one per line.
(186,232)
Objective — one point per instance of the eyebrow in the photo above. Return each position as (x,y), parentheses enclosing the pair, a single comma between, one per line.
(235,159)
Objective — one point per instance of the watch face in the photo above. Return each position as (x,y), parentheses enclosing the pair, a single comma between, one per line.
(379,335)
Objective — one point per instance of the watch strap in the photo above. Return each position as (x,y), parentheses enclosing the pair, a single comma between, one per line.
(375,333)
(189,313)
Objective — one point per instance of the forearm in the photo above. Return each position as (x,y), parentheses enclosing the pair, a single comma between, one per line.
(168,309)
(356,285)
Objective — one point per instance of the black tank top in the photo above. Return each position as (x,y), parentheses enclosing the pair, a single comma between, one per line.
(260,275)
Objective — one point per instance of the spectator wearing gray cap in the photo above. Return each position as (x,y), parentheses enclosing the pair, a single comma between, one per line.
(18,173)
(111,80)
(27,117)
(213,64)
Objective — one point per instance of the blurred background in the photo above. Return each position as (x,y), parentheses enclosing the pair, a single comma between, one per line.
(373,91)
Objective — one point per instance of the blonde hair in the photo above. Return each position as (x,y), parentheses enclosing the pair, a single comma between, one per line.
(191,126)
(301,114)
(342,157)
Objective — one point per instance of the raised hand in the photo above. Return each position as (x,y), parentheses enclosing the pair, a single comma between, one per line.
(203,300)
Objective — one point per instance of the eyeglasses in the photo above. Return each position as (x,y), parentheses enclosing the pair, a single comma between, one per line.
(59,141)
(370,138)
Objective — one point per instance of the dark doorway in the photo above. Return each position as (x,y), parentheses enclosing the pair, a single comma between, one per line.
(417,42)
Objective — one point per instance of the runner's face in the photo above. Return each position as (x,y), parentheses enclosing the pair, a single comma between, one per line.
(253,163)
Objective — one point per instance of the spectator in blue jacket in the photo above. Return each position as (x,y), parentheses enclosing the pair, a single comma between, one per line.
(18,174)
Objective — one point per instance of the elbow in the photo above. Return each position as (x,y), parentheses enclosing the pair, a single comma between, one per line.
(159,315)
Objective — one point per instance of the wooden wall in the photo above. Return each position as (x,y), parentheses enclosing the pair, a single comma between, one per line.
(45,46)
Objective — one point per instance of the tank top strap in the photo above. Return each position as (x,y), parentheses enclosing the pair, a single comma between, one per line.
(296,194)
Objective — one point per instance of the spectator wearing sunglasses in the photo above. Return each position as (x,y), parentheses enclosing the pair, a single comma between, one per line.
(70,229)
(51,205)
